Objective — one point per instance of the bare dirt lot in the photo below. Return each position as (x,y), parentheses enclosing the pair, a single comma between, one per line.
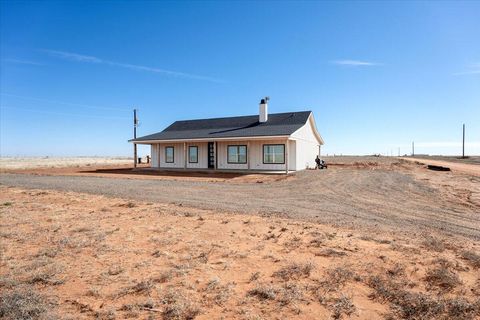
(73,255)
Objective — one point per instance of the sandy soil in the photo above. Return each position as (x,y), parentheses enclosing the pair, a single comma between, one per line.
(83,256)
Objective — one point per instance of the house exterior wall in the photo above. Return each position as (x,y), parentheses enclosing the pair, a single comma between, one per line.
(307,146)
(158,155)
(155,156)
(254,155)
(202,155)
(299,150)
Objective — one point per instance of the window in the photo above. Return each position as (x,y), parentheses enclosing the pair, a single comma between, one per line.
(237,154)
(193,154)
(169,154)
(274,153)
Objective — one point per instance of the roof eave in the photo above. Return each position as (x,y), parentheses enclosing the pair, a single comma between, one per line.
(209,139)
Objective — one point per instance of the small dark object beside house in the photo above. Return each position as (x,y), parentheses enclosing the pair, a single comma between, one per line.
(438,168)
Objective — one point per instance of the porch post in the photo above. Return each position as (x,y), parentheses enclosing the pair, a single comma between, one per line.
(248,155)
(286,157)
(134,155)
(185,155)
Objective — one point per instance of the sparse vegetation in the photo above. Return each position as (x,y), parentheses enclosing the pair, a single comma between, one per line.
(342,305)
(294,271)
(472,258)
(153,262)
(442,278)
(434,244)
(177,306)
(23,303)
(138,288)
(263,292)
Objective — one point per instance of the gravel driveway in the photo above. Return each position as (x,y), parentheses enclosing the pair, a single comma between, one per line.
(381,200)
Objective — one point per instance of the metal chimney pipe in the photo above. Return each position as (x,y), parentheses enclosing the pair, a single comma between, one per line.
(263,110)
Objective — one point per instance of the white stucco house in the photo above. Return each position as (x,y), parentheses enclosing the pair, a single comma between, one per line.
(265,142)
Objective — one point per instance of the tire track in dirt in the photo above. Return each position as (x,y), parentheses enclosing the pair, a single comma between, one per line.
(380,199)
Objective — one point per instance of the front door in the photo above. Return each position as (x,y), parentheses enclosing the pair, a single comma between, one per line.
(211,155)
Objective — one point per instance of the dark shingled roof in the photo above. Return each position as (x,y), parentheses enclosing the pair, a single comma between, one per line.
(278,124)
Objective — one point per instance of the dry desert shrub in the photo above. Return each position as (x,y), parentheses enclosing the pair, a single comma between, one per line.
(142,287)
(108,314)
(396,270)
(115,270)
(330,253)
(177,306)
(295,271)
(47,252)
(263,292)
(46,275)
(255,276)
(442,278)
(23,303)
(342,305)
(433,244)
(472,258)
(317,242)
(289,293)
(416,305)
(218,292)
(335,278)
(293,243)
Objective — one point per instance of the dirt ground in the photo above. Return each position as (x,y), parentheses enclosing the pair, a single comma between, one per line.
(387,194)
(73,255)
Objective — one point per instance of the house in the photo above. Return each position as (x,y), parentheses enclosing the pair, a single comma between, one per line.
(271,142)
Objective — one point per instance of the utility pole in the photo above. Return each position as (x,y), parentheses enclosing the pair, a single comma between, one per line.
(135,124)
(463,144)
(399,152)
(413,148)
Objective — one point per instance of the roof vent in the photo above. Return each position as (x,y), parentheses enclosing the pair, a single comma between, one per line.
(263,112)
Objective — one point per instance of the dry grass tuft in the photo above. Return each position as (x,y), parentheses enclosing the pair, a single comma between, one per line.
(178,306)
(416,305)
(295,271)
(115,270)
(472,258)
(138,288)
(330,253)
(442,278)
(46,275)
(255,276)
(289,293)
(23,303)
(342,305)
(263,292)
(433,244)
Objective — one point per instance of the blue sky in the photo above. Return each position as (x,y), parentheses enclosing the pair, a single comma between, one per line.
(377,75)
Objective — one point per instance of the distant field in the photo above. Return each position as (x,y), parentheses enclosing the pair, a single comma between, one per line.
(469,160)
(351,159)
(11,163)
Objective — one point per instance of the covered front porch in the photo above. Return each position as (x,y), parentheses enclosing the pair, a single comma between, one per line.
(261,154)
